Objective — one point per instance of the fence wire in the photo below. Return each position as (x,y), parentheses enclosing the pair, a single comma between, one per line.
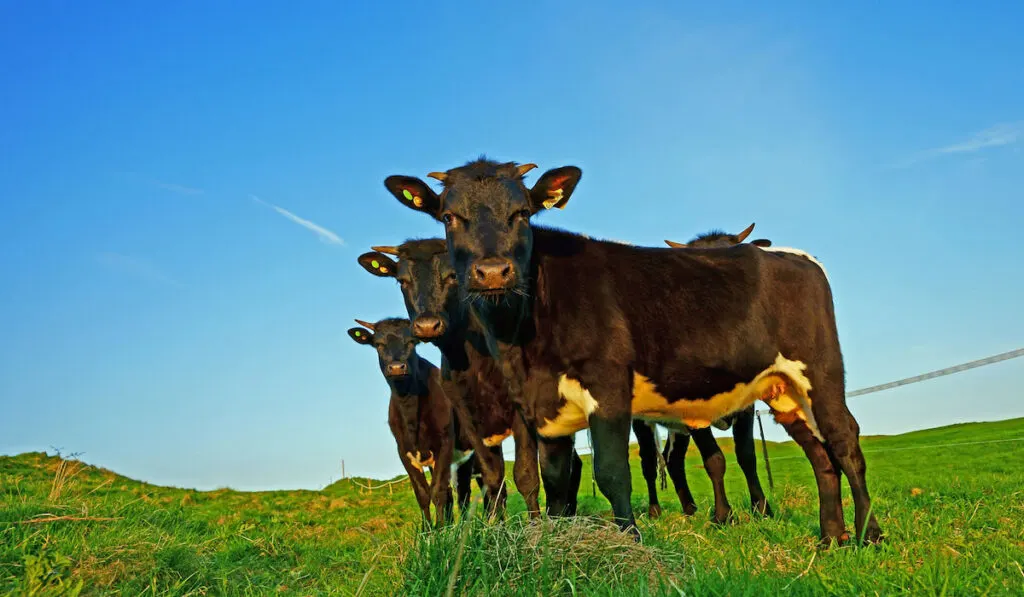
(1005,356)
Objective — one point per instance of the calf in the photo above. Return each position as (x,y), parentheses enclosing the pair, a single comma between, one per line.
(420,417)
(618,331)
(428,285)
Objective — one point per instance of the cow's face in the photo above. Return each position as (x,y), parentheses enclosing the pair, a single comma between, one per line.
(427,280)
(486,211)
(395,346)
(717,240)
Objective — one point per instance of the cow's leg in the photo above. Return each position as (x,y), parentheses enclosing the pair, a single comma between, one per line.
(421,489)
(495,493)
(830,507)
(675,460)
(714,464)
(525,472)
(648,464)
(842,437)
(464,484)
(608,390)
(611,465)
(556,472)
(457,391)
(441,485)
(447,502)
(575,476)
(743,436)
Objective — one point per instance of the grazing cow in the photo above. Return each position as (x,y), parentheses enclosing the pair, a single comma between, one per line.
(428,285)
(420,417)
(674,336)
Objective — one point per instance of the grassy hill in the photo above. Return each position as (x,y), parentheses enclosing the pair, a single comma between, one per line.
(950,500)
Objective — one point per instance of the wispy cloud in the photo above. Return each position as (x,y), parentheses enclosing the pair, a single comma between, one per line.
(178,188)
(1007,133)
(134,266)
(325,235)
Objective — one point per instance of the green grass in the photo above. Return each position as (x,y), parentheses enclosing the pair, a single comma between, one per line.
(952,510)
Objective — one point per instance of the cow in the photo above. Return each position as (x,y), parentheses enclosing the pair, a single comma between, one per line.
(661,334)
(427,282)
(742,424)
(420,418)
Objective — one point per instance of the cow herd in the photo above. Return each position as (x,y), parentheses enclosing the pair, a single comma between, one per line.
(544,333)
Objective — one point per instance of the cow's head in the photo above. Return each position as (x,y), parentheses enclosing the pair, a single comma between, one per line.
(395,345)
(428,283)
(486,210)
(718,239)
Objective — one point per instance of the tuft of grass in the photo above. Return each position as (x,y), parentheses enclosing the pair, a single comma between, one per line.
(582,555)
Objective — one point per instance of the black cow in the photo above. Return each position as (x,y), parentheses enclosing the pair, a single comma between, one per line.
(420,417)
(663,334)
(428,285)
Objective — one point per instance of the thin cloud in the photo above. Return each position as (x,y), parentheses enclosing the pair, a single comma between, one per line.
(173,187)
(178,188)
(136,267)
(325,235)
(1007,133)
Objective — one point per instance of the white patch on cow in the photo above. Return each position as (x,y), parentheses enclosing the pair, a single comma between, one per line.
(574,414)
(803,254)
(783,386)
(419,461)
(458,459)
(496,439)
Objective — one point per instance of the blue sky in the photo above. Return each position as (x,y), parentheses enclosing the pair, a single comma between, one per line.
(186,188)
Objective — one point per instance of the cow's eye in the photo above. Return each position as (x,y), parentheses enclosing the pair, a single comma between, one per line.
(447,218)
(522,214)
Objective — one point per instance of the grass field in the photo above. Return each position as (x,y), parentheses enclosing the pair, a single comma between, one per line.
(950,500)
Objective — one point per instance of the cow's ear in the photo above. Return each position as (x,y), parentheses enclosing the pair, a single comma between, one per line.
(361,335)
(761,242)
(676,245)
(554,188)
(414,194)
(378,264)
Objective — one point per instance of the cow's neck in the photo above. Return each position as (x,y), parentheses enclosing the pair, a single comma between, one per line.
(453,346)
(410,385)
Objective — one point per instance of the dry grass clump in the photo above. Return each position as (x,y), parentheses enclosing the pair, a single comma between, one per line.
(549,556)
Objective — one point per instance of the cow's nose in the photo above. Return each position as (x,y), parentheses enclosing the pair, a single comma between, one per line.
(427,327)
(493,274)
(397,369)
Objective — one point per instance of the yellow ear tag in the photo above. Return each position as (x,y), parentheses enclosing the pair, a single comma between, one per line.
(417,202)
(357,333)
(554,197)
(383,269)
(407,194)
(375,264)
